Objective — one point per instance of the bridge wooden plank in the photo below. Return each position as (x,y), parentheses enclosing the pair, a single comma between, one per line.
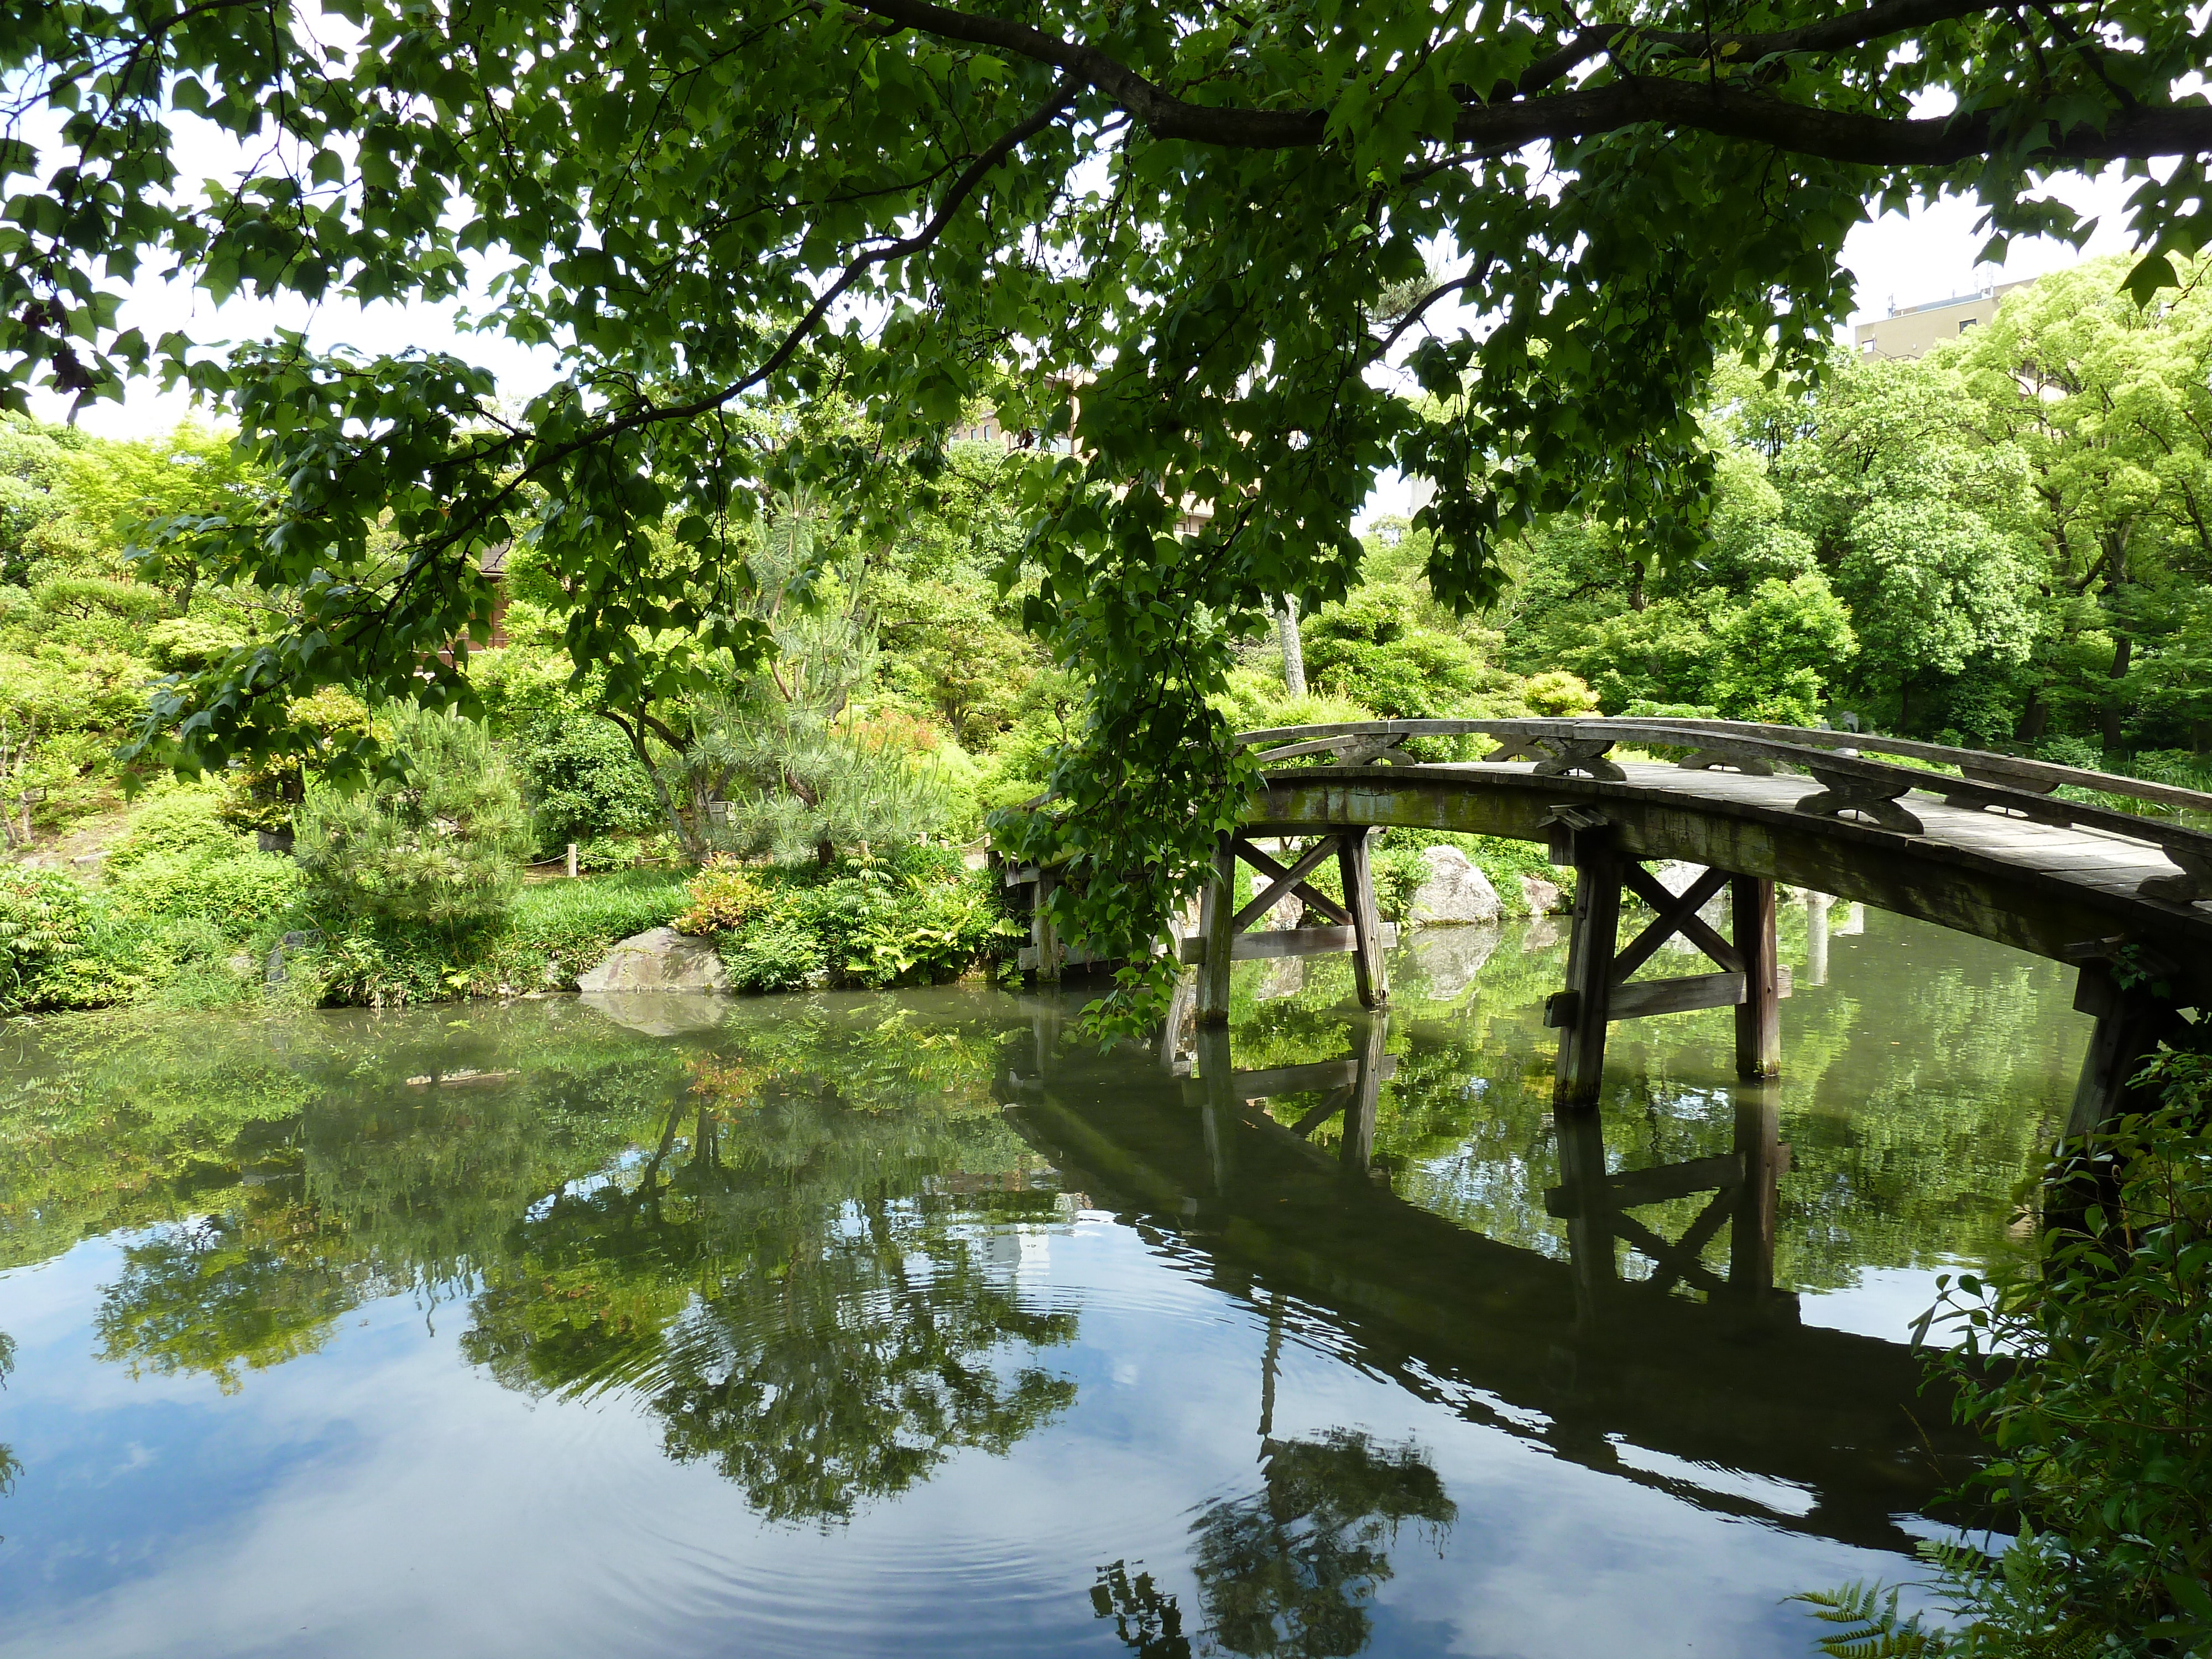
(1642,999)
(1288,942)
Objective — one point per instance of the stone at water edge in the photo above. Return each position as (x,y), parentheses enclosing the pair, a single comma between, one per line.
(1454,891)
(1542,898)
(1449,958)
(658,959)
(656,1014)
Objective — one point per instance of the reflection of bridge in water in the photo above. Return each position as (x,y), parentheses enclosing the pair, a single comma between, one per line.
(1730,1402)
(1991,847)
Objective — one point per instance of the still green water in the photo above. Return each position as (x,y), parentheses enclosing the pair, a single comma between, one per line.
(900,1323)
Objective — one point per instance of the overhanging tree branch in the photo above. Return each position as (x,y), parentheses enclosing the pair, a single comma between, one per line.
(1629,102)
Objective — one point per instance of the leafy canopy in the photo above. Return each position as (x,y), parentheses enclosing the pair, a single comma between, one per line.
(1182,236)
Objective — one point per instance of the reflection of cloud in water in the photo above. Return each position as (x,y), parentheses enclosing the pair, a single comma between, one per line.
(383,1498)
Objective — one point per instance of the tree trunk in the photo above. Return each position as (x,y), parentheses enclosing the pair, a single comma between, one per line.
(2114,710)
(2115,707)
(1294,650)
(684,838)
(1635,586)
(2034,719)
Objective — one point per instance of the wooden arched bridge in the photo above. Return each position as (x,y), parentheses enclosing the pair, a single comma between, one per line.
(2004,847)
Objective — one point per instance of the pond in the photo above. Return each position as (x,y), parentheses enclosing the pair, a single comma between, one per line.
(904,1323)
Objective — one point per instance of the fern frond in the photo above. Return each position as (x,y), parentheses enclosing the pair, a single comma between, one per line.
(1872,1628)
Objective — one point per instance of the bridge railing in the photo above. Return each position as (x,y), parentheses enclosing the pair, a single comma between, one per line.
(1851,783)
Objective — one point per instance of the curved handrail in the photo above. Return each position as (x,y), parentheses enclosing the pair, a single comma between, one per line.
(1852,783)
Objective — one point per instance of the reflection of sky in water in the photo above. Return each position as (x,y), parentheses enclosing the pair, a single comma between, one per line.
(379,1496)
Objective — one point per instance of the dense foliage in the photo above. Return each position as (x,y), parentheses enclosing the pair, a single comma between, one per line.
(441,843)
(916,918)
(2007,541)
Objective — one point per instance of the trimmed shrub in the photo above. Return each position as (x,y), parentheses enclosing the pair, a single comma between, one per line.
(181,824)
(232,892)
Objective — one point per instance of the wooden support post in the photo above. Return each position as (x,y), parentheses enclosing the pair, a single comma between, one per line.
(1816,938)
(1358,1148)
(572,861)
(1175,1029)
(1042,934)
(2130,1023)
(1217,932)
(1370,977)
(1751,1227)
(1582,1009)
(1217,1077)
(1587,1202)
(1758,1016)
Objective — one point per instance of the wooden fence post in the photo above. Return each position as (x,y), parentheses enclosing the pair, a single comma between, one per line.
(572,861)
(1758,1016)
(1042,933)
(1581,1010)
(1217,928)
(1370,976)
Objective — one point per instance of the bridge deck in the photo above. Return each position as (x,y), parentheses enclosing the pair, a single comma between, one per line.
(2041,887)
(2109,863)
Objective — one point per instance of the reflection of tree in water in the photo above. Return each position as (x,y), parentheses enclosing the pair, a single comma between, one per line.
(854,1365)
(818,1338)
(10,1465)
(772,1268)
(1289,1571)
(1144,1616)
(202,1296)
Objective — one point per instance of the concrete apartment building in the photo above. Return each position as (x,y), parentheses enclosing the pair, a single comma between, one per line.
(1909,333)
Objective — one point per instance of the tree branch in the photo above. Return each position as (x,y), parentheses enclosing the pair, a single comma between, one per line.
(961,189)
(1633,101)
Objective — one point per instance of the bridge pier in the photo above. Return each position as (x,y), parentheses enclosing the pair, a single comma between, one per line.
(2131,1022)
(1356,924)
(1600,989)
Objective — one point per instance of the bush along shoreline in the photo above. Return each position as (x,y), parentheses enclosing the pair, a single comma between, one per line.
(190,914)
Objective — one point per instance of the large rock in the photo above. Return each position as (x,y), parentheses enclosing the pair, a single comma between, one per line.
(1542,898)
(658,959)
(1285,976)
(1454,891)
(1449,958)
